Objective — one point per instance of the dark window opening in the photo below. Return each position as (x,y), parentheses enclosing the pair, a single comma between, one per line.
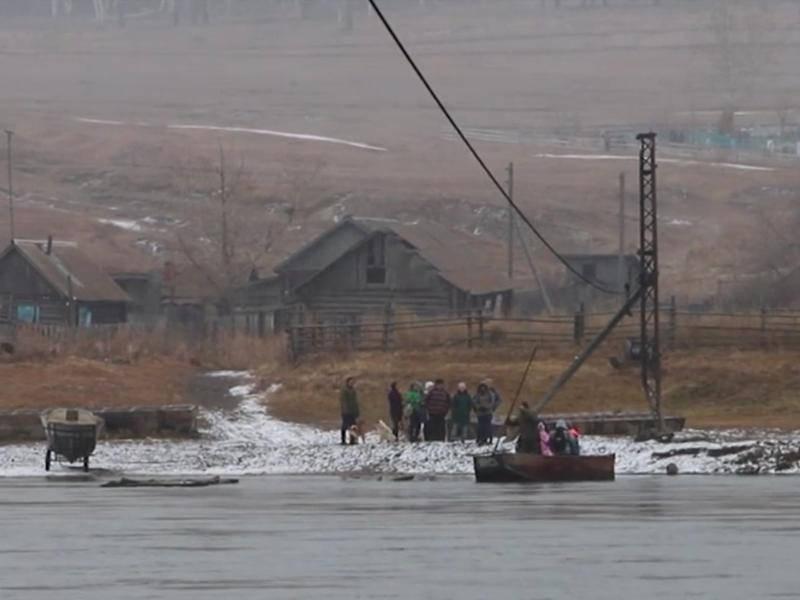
(376,260)
(589,271)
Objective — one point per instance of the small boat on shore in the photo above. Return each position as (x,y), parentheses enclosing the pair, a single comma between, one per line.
(508,467)
(71,434)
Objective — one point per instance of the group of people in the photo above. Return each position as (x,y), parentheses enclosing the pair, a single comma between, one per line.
(424,410)
(536,438)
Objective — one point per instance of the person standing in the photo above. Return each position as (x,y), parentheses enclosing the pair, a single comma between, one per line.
(348,401)
(395,409)
(529,436)
(482,403)
(460,413)
(415,411)
(497,400)
(437,405)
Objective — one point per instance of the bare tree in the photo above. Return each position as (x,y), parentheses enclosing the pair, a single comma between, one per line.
(229,230)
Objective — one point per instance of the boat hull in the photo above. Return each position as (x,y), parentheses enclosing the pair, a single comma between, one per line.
(520,467)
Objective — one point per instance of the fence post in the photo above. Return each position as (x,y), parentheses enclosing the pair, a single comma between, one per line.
(469,329)
(579,324)
(673,322)
(480,326)
(763,326)
(387,326)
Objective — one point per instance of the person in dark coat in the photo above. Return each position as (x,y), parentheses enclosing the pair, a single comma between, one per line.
(395,408)
(348,401)
(437,405)
(460,413)
(483,404)
(528,422)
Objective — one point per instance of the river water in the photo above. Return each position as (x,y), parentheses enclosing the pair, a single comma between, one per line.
(330,537)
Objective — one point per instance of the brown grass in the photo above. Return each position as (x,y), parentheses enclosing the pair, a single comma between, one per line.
(712,388)
(127,368)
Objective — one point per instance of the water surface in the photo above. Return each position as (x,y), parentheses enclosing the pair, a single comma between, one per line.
(327,537)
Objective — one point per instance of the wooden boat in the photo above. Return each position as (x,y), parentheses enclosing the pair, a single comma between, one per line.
(71,434)
(520,467)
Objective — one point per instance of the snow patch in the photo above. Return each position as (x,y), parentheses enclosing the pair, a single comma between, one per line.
(672,161)
(126,224)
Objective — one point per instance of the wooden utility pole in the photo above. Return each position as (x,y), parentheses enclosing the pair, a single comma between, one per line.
(9,135)
(621,278)
(510,187)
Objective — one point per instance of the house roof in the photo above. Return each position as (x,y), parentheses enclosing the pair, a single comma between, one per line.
(65,267)
(459,258)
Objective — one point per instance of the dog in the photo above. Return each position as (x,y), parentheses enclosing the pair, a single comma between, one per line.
(355,434)
(385,432)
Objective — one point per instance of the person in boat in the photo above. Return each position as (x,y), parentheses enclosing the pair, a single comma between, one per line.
(574,441)
(483,406)
(395,399)
(528,423)
(559,439)
(544,439)
(348,401)
(437,405)
(415,411)
(460,413)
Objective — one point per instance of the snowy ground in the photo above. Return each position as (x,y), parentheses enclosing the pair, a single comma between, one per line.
(249,441)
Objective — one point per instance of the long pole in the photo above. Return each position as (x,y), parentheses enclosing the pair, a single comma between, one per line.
(519,391)
(621,279)
(510,185)
(9,135)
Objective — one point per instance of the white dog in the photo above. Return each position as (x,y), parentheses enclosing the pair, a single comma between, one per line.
(385,432)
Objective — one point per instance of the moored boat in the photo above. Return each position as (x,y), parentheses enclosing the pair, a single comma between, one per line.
(71,434)
(504,467)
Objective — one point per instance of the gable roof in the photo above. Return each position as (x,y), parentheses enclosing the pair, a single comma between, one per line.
(67,266)
(456,256)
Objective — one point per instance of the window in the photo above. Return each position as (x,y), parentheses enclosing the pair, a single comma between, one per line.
(28,313)
(376,261)
(589,271)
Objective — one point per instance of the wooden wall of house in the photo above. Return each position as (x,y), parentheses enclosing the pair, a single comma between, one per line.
(320,254)
(21,284)
(106,313)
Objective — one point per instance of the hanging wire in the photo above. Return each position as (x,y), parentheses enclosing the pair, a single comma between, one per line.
(513,206)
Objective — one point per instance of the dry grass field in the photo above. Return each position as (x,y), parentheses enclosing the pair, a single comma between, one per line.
(712,388)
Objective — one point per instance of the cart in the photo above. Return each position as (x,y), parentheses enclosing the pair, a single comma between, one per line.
(71,435)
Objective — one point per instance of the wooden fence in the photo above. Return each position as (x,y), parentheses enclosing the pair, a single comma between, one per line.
(679,329)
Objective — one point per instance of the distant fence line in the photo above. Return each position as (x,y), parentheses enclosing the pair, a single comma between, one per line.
(679,329)
(327,332)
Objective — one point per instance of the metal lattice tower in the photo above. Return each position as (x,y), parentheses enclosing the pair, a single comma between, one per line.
(648,255)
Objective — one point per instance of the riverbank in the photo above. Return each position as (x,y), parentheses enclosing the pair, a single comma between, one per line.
(723,388)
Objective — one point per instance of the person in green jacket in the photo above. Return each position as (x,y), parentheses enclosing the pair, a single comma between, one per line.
(415,411)
(348,399)
(460,413)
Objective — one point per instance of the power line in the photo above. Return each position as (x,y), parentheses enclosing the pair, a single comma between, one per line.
(478,158)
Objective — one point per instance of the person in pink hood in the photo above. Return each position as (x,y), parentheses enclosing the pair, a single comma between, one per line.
(544,440)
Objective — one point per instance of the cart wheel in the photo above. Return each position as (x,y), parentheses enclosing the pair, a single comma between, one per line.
(85,464)
(47,461)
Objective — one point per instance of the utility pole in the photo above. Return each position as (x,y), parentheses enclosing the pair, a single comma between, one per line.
(510,188)
(9,135)
(621,278)
(648,277)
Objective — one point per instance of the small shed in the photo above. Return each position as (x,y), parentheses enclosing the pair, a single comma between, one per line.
(55,283)
(607,270)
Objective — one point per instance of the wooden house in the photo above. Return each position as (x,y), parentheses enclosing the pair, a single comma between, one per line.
(362,265)
(51,283)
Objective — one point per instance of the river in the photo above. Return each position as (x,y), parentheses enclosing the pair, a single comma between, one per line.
(331,537)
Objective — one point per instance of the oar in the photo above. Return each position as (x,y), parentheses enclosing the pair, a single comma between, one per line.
(516,396)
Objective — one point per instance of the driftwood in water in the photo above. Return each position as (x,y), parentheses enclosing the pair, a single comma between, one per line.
(125,482)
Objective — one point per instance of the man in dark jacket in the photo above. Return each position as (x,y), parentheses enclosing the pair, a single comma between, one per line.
(528,422)
(460,413)
(395,408)
(437,404)
(348,400)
